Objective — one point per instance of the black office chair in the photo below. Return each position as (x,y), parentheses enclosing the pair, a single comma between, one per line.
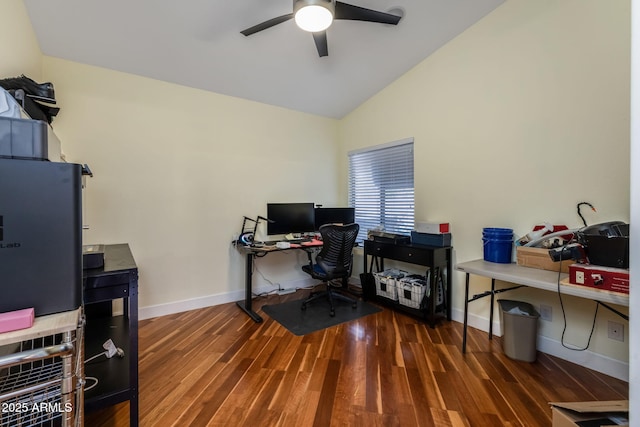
(333,263)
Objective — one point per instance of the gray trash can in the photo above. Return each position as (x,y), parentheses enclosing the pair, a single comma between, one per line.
(519,322)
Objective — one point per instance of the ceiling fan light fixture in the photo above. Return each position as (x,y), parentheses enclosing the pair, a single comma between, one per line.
(313,15)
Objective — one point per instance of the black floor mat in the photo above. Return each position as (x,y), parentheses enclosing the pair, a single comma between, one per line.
(316,316)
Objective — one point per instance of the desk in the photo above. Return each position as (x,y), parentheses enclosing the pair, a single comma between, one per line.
(118,377)
(251,252)
(438,259)
(526,276)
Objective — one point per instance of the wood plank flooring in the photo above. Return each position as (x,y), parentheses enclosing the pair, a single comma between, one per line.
(216,367)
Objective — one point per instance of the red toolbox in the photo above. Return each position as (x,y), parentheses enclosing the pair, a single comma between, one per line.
(599,277)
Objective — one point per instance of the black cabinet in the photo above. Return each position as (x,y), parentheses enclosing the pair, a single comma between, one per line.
(438,261)
(40,234)
(117,376)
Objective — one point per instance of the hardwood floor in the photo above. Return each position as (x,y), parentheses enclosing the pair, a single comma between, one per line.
(216,367)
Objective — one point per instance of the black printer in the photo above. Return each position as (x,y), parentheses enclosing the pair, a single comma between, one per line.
(40,236)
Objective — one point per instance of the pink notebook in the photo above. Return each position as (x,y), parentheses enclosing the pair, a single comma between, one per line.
(15,320)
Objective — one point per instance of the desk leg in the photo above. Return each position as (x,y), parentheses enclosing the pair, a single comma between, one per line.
(466,312)
(133,338)
(433,291)
(248,279)
(493,297)
(444,278)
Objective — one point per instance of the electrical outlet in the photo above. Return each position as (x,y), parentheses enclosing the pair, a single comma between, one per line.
(616,331)
(580,277)
(546,312)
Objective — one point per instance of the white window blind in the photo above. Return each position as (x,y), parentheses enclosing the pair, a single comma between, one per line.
(381,187)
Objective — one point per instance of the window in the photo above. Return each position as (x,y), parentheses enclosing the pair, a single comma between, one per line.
(381,187)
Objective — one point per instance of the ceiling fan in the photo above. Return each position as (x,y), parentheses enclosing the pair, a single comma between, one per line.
(315,16)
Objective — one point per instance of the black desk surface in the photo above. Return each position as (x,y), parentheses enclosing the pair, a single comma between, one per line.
(118,260)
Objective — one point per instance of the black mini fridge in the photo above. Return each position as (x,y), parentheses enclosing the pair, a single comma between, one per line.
(40,236)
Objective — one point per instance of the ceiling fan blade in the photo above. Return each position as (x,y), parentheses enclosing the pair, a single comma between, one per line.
(357,13)
(321,43)
(267,24)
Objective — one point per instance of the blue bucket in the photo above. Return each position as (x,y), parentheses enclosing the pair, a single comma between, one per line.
(498,244)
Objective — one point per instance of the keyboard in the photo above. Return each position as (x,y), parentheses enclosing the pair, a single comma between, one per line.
(301,240)
(298,240)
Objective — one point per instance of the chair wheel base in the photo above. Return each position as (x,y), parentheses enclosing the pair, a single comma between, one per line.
(332,297)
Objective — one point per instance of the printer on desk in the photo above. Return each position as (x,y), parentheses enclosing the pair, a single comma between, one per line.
(384,237)
(26,133)
(92,256)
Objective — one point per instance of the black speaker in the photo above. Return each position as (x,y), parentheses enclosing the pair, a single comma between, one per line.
(246,238)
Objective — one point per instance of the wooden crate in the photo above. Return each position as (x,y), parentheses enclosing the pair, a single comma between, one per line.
(539,258)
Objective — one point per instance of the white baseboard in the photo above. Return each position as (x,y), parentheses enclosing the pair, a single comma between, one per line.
(597,362)
(211,300)
(189,304)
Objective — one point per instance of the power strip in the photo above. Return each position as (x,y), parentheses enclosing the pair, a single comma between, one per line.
(285,291)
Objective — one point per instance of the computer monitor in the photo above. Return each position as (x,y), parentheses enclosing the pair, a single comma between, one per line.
(334,216)
(290,218)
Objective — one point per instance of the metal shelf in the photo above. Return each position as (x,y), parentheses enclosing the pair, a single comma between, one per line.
(41,378)
(31,377)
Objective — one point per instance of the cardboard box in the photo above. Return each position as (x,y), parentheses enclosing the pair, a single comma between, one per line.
(539,258)
(598,277)
(570,414)
(432,227)
(430,239)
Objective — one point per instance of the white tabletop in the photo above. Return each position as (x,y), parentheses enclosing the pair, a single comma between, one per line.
(540,279)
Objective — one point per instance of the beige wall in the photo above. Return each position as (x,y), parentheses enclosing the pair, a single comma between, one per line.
(176,169)
(19,48)
(516,121)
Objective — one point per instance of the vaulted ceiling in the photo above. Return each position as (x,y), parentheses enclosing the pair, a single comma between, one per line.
(197,43)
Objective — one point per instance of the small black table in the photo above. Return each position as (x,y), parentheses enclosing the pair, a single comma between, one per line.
(437,258)
(117,377)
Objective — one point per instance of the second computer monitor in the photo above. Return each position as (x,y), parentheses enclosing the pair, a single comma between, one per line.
(334,216)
